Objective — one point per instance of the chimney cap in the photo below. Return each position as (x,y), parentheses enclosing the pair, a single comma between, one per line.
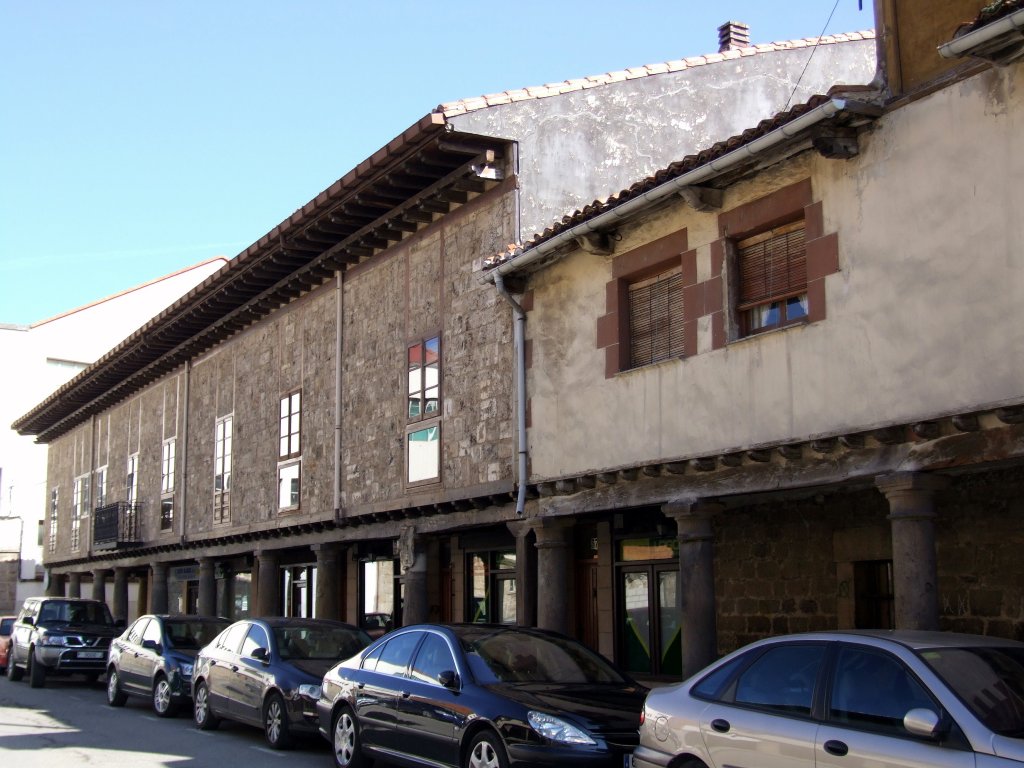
(733,35)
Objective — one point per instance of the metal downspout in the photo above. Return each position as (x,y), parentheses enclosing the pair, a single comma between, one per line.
(339,296)
(184,454)
(519,337)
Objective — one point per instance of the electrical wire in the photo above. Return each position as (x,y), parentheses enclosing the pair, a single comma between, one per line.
(813,49)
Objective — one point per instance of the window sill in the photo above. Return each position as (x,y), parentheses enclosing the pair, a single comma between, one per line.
(802,323)
(649,366)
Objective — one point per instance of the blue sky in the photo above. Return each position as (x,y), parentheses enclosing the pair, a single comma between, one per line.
(141,136)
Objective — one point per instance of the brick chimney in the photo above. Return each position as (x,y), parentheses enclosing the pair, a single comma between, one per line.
(733,35)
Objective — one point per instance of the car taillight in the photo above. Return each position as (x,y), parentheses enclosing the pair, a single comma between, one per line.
(643,716)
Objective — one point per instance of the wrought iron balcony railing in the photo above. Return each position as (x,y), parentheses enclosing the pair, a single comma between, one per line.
(117,525)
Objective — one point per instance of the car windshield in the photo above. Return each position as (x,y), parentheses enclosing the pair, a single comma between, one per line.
(190,635)
(58,611)
(509,656)
(990,681)
(304,642)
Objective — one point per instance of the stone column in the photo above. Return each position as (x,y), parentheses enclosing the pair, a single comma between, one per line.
(74,585)
(268,591)
(158,591)
(206,604)
(327,599)
(911,497)
(120,608)
(698,609)
(526,574)
(54,585)
(413,562)
(552,573)
(227,593)
(99,584)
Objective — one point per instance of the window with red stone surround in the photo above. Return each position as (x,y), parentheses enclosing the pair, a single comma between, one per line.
(631,268)
(786,206)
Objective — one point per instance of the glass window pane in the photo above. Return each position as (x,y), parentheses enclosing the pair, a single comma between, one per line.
(424,454)
(637,632)
(295,443)
(668,622)
(431,401)
(284,408)
(397,653)
(296,402)
(415,381)
(782,679)
(288,486)
(860,676)
(433,658)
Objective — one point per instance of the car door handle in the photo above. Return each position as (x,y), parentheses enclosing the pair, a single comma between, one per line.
(361,686)
(406,694)
(837,748)
(234,668)
(720,725)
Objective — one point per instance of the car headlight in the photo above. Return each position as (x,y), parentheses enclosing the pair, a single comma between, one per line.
(52,640)
(310,691)
(556,729)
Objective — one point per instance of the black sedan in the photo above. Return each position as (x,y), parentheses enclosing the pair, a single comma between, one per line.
(154,658)
(267,672)
(480,696)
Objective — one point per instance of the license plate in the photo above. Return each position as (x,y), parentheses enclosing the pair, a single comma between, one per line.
(90,654)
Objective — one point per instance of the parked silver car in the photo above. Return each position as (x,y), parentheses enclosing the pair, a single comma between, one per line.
(845,700)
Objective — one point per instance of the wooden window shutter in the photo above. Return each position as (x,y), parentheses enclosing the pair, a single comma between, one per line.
(773,265)
(656,319)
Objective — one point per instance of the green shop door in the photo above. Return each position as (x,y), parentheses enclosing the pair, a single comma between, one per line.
(649,637)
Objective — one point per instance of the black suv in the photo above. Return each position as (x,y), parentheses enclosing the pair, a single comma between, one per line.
(61,635)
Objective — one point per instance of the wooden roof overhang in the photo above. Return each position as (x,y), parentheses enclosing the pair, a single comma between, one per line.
(417,177)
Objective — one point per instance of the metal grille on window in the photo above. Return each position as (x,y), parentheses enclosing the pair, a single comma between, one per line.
(656,319)
(773,276)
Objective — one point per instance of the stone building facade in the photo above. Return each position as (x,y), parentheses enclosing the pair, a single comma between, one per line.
(328,426)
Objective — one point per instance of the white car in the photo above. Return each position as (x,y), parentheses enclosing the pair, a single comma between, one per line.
(857,699)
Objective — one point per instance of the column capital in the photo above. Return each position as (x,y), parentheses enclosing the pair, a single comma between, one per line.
(687,508)
(903,482)
(551,531)
(520,528)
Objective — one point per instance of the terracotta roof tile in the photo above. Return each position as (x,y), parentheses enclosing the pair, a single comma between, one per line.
(462,106)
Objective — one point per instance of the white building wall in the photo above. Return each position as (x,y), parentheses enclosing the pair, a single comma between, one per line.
(38,359)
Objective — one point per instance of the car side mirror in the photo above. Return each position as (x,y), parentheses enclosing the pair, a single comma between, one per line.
(923,722)
(261,654)
(29,620)
(151,645)
(449,679)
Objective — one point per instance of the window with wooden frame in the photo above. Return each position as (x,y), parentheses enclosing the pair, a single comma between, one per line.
(424,366)
(656,319)
(167,485)
(772,287)
(51,543)
(79,501)
(289,468)
(222,470)
(423,438)
(131,480)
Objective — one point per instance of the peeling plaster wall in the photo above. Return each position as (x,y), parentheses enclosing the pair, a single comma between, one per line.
(923,318)
(584,145)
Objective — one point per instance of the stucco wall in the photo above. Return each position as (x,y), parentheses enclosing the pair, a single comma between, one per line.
(587,144)
(920,317)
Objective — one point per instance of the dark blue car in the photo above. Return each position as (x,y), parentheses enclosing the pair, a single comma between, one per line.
(154,658)
(480,696)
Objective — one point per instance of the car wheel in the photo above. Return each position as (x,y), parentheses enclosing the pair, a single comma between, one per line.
(205,719)
(115,696)
(347,750)
(486,751)
(275,722)
(14,672)
(163,703)
(36,671)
